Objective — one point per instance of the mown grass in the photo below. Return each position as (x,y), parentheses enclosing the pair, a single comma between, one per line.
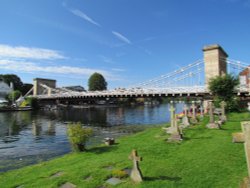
(206,158)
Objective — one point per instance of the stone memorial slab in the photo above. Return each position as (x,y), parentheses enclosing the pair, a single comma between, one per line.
(88,178)
(113,181)
(238,138)
(20,186)
(68,185)
(135,174)
(58,174)
(245,125)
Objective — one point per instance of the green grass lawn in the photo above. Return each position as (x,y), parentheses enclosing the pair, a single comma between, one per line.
(205,158)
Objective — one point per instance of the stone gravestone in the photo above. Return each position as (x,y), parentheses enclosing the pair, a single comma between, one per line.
(212,124)
(176,134)
(201,111)
(223,117)
(172,119)
(248,106)
(193,118)
(135,174)
(245,137)
(185,122)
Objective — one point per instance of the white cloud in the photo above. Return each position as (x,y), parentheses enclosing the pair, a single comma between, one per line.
(84,16)
(121,37)
(29,67)
(29,53)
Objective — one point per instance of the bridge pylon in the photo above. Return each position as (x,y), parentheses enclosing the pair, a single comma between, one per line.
(39,90)
(215,62)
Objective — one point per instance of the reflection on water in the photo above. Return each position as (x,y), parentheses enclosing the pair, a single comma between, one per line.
(29,137)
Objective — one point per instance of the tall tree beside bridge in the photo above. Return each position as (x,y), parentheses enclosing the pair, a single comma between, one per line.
(17,82)
(223,89)
(97,82)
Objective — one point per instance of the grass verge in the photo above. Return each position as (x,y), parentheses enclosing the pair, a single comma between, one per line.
(205,158)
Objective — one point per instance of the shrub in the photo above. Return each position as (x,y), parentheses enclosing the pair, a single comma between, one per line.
(14,95)
(78,136)
(30,101)
(119,173)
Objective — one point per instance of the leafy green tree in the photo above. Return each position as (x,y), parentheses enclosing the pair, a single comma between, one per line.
(14,95)
(97,82)
(17,82)
(78,136)
(8,78)
(223,89)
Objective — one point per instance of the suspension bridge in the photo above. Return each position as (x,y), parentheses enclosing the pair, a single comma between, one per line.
(190,80)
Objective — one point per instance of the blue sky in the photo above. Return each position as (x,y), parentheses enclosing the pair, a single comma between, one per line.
(128,41)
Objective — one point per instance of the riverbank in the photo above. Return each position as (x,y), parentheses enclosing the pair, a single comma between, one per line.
(206,158)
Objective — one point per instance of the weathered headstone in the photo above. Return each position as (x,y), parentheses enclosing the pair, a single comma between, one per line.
(193,118)
(135,174)
(185,121)
(201,111)
(245,125)
(176,134)
(248,106)
(212,124)
(172,119)
(223,117)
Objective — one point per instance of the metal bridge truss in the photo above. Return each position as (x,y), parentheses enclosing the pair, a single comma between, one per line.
(184,81)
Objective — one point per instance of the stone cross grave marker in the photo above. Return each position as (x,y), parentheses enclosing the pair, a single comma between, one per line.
(135,174)
(244,136)
(173,122)
(185,108)
(212,124)
(185,121)
(172,114)
(194,120)
(223,117)
(201,111)
(176,134)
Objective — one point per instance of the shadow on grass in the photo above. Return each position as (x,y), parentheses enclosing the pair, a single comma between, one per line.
(102,149)
(197,138)
(162,178)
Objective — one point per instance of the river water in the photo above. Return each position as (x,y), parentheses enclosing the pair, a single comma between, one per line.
(30,137)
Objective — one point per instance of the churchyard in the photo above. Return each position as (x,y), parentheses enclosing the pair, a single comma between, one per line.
(199,151)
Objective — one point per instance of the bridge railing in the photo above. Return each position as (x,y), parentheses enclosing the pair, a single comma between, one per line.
(127,92)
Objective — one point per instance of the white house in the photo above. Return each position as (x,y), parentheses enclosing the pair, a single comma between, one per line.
(5,89)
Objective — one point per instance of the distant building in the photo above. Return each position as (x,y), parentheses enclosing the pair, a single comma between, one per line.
(75,88)
(5,89)
(244,77)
